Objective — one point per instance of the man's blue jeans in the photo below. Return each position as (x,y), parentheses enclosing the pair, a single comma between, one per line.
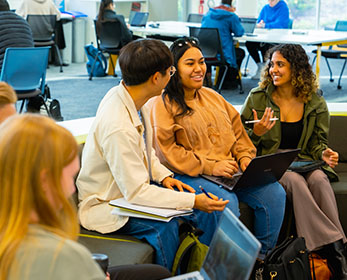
(268,203)
(164,237)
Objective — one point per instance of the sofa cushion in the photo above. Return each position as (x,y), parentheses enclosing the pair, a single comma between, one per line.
(337,138)
(120,249)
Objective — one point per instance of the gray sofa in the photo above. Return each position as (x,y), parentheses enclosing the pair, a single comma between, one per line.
(127,250)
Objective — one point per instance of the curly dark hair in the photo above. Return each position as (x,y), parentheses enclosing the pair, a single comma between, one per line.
(303,79)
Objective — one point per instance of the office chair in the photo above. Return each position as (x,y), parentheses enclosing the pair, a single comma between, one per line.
(335,52)
(25,70)
(195,18)
(108,39)
(43,28)
(211,47)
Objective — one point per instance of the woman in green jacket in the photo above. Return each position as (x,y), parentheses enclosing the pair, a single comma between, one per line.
(288,91)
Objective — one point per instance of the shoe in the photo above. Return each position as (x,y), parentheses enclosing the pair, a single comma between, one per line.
(336,254)
(257,74)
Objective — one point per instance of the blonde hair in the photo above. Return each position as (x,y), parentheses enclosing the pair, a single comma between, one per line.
(30,145)
(7,94)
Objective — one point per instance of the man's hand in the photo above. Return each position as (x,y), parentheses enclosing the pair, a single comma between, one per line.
(203,203)
(265,124)
(225,168)
(170,183)
(330,157)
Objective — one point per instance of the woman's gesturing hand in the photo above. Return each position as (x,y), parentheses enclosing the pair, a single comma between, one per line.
(265,124)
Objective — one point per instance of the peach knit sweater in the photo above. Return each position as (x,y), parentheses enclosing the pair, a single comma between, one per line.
(194,143)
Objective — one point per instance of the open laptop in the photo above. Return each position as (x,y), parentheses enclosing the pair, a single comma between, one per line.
(262,170)
(232,252)
(248,25)
(138,19)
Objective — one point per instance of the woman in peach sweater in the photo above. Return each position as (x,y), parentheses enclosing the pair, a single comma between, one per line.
(196,131)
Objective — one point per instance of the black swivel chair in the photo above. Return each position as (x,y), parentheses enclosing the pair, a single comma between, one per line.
(211,47)
(43,28)
(108,38)
(341,25)
(195,18)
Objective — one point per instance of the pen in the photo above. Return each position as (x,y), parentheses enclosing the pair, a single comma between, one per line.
(205,192)
(256,121)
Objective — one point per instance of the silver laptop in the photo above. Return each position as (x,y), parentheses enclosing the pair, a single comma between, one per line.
(262,170)
(231,255)
(248,25)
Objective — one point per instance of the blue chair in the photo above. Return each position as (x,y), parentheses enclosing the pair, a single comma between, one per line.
(337,53)
(25,70)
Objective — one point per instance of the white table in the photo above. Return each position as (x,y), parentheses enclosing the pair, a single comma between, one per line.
(317,38)
(166,28)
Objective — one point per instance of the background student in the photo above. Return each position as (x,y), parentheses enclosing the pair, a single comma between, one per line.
(228,23)
(107,13)
(288,90)
(117,161)
(14,31)
(196,131)
(275,14)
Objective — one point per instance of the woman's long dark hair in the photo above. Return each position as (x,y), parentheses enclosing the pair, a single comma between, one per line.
(174,89)
(103,5)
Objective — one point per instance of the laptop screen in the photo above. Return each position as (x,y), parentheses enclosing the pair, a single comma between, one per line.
(232,252)
(139,19)
(248,24)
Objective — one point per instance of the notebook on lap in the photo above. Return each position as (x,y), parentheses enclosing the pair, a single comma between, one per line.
(232,252)
(139,19)
(248,25)
(262,170)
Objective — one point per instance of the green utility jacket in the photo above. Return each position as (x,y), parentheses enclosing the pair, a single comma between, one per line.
(314,138)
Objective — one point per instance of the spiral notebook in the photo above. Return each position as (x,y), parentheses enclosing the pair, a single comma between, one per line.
(124,208)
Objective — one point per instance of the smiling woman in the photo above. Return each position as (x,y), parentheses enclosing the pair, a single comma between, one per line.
(197,132)
(288,91)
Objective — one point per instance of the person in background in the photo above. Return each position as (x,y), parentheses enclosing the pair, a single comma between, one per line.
(107,13)
(8,98)
(118,162)
(275,14)
(228,23)
(288,91)
(14,31)
(196,132)
(38,223)
(38,7)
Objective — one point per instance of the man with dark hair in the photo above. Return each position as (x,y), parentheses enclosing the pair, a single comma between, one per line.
(14,31)
(118,159)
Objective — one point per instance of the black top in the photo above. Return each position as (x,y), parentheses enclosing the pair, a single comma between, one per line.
(290,134)
(14,32)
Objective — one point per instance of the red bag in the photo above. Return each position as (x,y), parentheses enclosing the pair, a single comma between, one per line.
(319,267)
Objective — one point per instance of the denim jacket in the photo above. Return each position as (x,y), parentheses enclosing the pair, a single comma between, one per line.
(314,137)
